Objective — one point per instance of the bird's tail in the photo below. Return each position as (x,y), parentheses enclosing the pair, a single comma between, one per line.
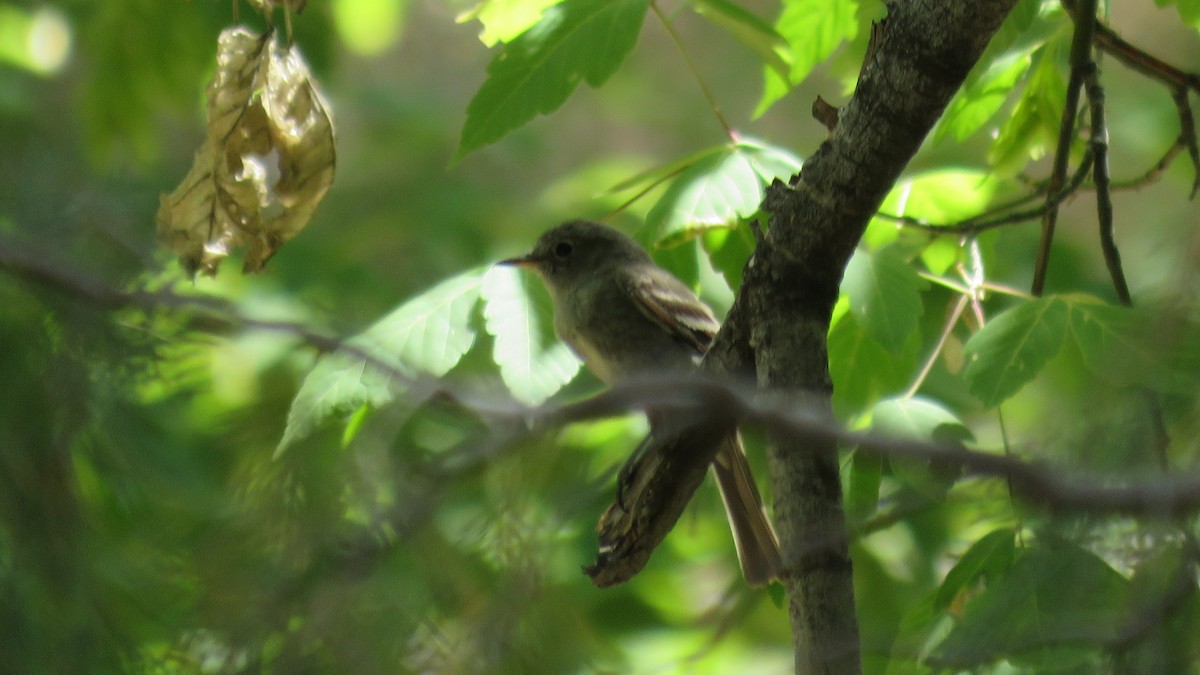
(757,545)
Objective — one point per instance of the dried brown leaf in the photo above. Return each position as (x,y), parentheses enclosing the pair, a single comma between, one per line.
(266,163)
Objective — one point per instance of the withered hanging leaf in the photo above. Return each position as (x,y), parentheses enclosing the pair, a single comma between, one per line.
(265,6)
(266,163)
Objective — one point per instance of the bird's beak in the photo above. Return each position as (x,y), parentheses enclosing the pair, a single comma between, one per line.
(525,261)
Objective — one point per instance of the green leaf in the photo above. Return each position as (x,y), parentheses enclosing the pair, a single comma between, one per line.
(862,370)
(1135,346)
(728,251)
(534,364)
(338,385)
(1189,10)
(862,490)
(655,175)
(924,420)
(535,73)
(885,295)
(504,20)
(429,334)
(1056,593)
(939,196)
(717,191)
(812,29)
(748,29)
(989,557)
(1010,350)
(917,418)
(1162,586)
(991,81)
(977,102)
(1034,123)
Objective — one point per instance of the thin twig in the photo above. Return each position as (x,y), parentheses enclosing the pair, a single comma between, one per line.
(1187,135)
(1174,79)
(1081,49)
(941,342)
(994,218)
(691,66)
(1104,205)
(1151,175)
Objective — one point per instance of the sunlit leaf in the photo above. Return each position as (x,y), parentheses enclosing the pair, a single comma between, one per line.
(369,27)
(533,362)
(578,40)
(993,78)
(1012,348)
(718,190)
(504,20)
(728,251)
(812,29)
(885,294)
(266,162)
(428,334)
(1034,123)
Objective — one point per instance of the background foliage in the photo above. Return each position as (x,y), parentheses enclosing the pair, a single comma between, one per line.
(182,493)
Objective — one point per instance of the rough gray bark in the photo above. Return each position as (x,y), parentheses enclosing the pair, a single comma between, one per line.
(777,329)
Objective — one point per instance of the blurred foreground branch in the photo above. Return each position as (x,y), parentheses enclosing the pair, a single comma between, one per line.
(1057,488)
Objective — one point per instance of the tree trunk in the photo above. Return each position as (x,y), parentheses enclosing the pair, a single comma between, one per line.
(919,57)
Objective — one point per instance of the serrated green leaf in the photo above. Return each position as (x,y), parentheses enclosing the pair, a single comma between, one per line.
(1013,347)
(712,193)
(717,191)
(989,557)
(429,333)
(812,29)
(1054,594)
(504,20)
(534,364)
(578,40)
(338,385)
(750,30)
(1134,346)
(885,295)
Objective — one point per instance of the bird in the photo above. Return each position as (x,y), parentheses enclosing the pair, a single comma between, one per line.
(624,316)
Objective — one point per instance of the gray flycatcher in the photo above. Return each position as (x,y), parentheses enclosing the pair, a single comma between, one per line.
(625,316)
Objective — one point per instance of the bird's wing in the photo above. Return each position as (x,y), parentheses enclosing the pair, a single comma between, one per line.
(673,306)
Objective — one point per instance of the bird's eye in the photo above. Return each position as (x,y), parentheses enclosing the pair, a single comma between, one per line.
(563,249)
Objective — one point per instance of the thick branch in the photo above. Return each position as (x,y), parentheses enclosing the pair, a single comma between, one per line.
(919,58)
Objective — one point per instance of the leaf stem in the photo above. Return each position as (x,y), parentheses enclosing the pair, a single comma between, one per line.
(691,66)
